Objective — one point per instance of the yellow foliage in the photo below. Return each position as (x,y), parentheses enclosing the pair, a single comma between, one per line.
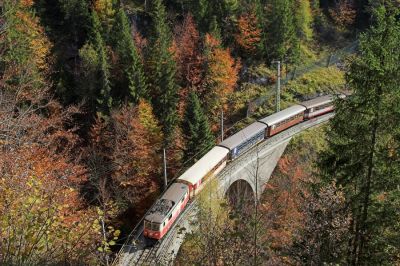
(149,121)
(40,45)
(105,10)
(36,220)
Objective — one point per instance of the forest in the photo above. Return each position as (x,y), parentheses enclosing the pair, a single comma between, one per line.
(93,91)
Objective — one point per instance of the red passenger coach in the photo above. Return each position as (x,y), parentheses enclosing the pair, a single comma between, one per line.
(318,106)
(284,119)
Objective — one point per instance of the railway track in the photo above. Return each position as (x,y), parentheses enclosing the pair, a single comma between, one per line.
(147,256)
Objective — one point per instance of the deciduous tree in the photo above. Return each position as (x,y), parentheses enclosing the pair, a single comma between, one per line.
(221,76)
(124,158)
(249,33)
(189,58)
(24,48)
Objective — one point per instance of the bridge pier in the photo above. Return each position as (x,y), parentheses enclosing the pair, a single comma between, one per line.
(255,168)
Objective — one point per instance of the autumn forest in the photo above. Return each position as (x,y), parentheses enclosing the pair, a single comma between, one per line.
(92,92)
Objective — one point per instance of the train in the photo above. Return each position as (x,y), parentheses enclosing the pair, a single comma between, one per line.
(167,209)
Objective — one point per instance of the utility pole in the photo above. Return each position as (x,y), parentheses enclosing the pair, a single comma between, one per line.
(165,170)
(278,88)
(222,124)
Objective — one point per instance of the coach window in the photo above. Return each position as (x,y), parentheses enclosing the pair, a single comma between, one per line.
(170,216)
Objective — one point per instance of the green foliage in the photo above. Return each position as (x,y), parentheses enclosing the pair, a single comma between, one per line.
(67,23)
(196,130)
(131,84)
(162,72)
(364,143)
(283,41)
(324,80)
(94,54)
(304,19)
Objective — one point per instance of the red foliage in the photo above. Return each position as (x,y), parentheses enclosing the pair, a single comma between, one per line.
(189,59)
(128,147)
(249,35)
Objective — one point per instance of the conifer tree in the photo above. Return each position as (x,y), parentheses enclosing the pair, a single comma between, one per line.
(131,85)
(162,72)
(364,153)
(283,41)
(95,58)
(196,130)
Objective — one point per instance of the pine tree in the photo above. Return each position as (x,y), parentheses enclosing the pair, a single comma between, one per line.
(196,130)
(364,153)
(282,40)
(162,72)
(131,84)
(94,55)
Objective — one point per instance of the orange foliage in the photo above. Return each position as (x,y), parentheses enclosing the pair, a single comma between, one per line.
(140,42)
(26,3)
(249,35)
(41,180)
(188,57)
(130,143)
(285,195)
(222,72)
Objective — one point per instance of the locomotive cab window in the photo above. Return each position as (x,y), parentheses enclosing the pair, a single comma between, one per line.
(155,226)
(147,224)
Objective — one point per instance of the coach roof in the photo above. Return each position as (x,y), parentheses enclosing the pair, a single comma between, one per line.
(318,101)
(243,135)
(282,115)
(203,166)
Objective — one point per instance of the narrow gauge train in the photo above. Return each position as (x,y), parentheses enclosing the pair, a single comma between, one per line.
(165,211)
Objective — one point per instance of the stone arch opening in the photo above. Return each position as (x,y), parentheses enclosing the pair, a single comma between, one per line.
(240,196)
